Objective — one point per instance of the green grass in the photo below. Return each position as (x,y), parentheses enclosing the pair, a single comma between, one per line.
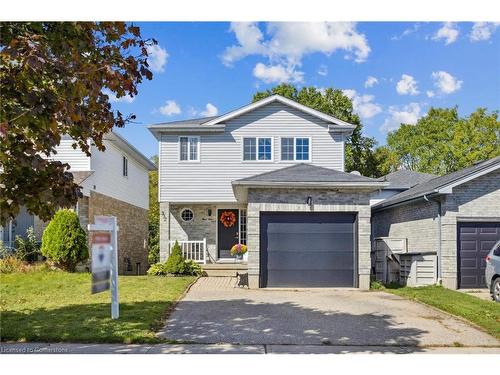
(58,306)
(485,314)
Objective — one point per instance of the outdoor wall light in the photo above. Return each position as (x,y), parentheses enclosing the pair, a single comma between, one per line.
(309,201)
(209,212)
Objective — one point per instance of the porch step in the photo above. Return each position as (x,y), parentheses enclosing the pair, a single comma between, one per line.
(224,269)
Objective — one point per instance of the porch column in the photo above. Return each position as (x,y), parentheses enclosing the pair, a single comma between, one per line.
(253,244)
(164,230)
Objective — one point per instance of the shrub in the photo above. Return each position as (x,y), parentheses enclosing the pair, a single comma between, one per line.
(11,263)
(64,241)
(28,248)
(175,263)
(193,268)
(157,269)
(190,268)
(153,246)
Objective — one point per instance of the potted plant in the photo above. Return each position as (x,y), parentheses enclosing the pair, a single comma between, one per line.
(238,250)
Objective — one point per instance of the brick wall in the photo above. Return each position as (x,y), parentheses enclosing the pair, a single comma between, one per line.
(295,200)
(133,230)
(417,221)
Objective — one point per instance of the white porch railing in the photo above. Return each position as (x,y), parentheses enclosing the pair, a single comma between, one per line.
(193,250)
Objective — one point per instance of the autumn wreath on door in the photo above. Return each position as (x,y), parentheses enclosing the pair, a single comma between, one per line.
(228,218)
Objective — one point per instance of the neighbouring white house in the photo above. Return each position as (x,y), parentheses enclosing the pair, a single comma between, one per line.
(269,175)
(114,182)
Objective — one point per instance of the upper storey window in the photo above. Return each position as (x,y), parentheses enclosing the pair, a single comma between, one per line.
(189,148)
(296,149)
(258,149)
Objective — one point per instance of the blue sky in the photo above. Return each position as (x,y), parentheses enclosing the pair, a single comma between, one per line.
(208,68)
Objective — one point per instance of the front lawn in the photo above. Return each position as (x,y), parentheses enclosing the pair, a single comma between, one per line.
(485,314)
(57,306)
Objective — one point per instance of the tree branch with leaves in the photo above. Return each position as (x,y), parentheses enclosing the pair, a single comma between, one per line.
(54,77)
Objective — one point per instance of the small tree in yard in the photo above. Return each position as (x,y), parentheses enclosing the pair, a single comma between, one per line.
(176,264)
(64,241)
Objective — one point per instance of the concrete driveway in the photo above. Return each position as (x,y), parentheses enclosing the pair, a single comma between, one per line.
(215,312)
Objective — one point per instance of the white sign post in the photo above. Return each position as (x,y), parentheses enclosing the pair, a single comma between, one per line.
(105,259)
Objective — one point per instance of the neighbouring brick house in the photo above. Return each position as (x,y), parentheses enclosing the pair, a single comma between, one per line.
(114,183)
(455,216)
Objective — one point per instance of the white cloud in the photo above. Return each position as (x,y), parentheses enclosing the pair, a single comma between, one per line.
(323,70)
(277,73)
(363,104)
(445,82)
(170,108)
(408,114)
(482,31)
(157,58)
(407,85)
(449,32)
(371,81)
(210,110)
(430,93)
(114,99)
(286,43)
(407,32)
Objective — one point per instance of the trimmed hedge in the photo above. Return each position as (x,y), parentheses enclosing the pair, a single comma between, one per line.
(64,241)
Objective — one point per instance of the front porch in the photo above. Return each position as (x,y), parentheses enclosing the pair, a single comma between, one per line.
(202,236)
(197,251)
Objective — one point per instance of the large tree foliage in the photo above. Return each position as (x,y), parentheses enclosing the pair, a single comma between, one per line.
(54,78)
(442,142)
(359,149)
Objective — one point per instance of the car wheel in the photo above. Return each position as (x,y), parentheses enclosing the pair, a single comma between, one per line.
(495,289)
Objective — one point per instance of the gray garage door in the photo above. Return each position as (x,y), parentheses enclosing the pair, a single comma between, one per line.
(475,240)
(307,249)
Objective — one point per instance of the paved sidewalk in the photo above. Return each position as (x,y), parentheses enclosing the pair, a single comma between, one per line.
(65,348)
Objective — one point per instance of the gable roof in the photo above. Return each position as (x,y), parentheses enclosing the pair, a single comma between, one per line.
(308,175)
(282,100)
(443,184)
(405,179)
(124,145)
(216,123)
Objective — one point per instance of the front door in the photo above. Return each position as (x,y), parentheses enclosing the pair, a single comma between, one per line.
(228,226)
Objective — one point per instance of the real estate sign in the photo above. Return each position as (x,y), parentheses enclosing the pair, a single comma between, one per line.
(101,261)
(105,259)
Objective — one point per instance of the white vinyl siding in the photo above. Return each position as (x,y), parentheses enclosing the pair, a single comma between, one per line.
(222,160)
(107,179)
(76,158)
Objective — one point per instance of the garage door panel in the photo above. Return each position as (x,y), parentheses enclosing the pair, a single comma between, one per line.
(317,260)
(475,240)
(309,279)
(294,242)
(307,249)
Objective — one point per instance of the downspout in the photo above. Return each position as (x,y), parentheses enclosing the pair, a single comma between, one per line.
(438,263)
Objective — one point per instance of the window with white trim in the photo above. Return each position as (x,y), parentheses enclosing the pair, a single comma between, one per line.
(187,215)
(189,148)
(296,149)
(258,148)
(243,227)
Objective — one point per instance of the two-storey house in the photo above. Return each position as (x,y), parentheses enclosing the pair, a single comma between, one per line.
(269,175)
(114,183)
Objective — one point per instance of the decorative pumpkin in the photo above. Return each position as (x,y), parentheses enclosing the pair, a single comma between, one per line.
(228,218)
